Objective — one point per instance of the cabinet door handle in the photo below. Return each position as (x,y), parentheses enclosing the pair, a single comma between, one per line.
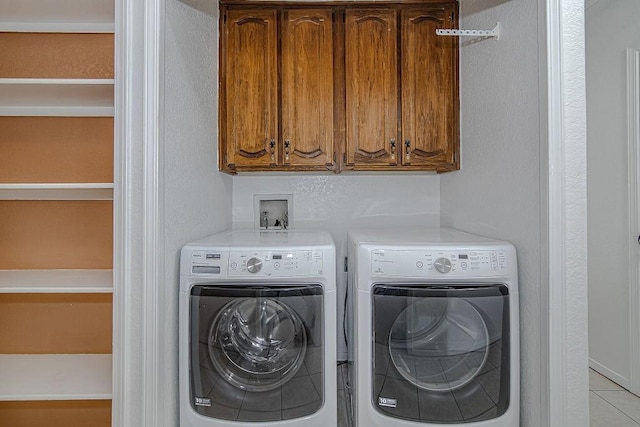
(272,144)
(407,149)
(286,150)
(393,149)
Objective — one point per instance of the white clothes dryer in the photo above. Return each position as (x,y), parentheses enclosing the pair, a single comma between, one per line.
(434,337)
(258,330)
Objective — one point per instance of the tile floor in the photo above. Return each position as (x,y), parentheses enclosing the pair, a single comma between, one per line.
(611,405)
(344,402)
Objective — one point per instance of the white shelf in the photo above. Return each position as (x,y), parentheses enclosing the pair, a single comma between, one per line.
(58,16)
(56,97)
(55,377)
(57,191)
(56,281)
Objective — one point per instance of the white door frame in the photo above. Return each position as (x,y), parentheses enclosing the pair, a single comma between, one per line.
(633,146)
(138,235)
(566,260)
(137,214)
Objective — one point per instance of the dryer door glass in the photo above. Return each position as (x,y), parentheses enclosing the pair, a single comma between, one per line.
(447,338)
(256,351)
(441,353)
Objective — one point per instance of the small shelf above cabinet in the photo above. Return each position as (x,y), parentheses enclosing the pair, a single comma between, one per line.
(55,377)
(56,97)
(57,16)
(56,281)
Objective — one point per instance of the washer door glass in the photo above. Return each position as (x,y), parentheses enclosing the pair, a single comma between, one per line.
(256,352)
(257,344)
(441,353)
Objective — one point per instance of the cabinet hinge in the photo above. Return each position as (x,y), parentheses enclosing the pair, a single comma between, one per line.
(344,157)
(225,158)
(346,264)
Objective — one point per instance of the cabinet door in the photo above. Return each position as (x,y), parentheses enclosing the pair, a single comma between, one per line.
(371,71)
(307,88)
(429,88)
(249,86)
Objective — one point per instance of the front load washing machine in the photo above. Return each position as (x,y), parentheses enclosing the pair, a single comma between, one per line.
(258,330)
(435,332)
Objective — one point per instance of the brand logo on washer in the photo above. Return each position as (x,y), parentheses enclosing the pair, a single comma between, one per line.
(388,402)
(203,401)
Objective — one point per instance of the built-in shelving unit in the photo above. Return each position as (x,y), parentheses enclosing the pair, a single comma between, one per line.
(56,97)
(57,191)
(36,377)
(66,298)
(56,281)
(57,16)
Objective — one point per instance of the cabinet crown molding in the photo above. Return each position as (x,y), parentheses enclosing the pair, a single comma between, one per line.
(333,4)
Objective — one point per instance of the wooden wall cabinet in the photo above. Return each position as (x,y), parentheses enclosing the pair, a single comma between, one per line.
(401,89)
(429,82)
(276,90)
(250,76)
(370,82)
(371,58)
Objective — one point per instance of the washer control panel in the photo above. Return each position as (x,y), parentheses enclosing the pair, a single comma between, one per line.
(275,263)
(438,263)
(257,263)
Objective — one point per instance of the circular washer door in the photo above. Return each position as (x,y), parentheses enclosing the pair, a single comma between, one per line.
(257,344)
(435,342)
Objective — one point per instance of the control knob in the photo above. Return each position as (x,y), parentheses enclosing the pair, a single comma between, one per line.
(254,265)
(443,265)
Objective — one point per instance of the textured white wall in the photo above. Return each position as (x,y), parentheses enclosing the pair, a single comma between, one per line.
(611,27)
(337,202)
(497,191)
(197,198)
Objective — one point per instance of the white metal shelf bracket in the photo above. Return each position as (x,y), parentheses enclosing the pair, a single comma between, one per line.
(495,32)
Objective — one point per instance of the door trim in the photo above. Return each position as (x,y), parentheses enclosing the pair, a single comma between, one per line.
(564,312)
(633,146)
(137,216)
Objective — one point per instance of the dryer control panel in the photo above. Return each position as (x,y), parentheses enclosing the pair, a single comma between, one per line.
(437,263)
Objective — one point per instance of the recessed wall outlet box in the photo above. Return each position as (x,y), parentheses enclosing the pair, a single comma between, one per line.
(273,211)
